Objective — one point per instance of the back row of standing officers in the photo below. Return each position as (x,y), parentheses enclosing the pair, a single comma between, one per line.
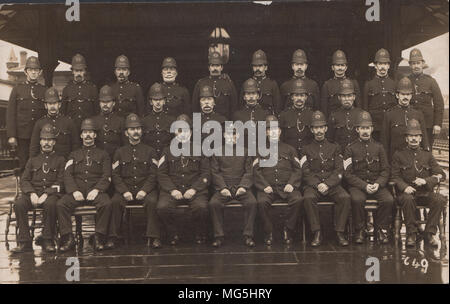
(216,98)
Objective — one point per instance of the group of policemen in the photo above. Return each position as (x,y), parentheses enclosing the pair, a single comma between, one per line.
(111,148)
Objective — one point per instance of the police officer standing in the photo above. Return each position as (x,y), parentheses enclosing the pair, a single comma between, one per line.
(427,96)
(177,96)
(396,119)
(208,109)
(342,121)
(366,170)
(299,66)
(330,89)
(41,184)
(295,121)
(157,122)
(127,94)
(269,93)
(79,97)
(223,89)
(322,166)
(87,176)
(134,171)
(25,107)
(278,183)
(67,138)
(379,92)
(232,178)
(109,124)
(184,179)
(415,173)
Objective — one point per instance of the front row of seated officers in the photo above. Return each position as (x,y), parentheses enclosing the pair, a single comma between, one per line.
(137,173)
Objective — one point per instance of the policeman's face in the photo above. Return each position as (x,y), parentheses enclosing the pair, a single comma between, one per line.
(347,100)
(404,99)
(273,134)
(79,75)
(339,69)
(107,106)
(319,132)
(169,74)
(416,66)
(382,68)
(32,74)
(207,104)
(215,69)
(230,137)
(47,144)
(122,74)
(299,99)
(299,69)
(158,104)
(364,132)
(88,137)
(259,70)
(53,107)
(183,135)
(413,140)
(134,134)
(251,98)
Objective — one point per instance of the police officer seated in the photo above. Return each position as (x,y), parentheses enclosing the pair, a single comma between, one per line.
(87,176)
(416,173)
(41,185)
(232,179)
(134,171)
(366,170)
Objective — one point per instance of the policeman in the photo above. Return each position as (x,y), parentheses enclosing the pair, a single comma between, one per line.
(208,109)
(295,121)
(177,96)
(25,107)
(109,124)
(252,110)
(342,121)
(224,91)
(183,179)
(128,94)
(278,183)
(427,96)
(41,185)
(157,122)
(415,173)
(366,170)
(379,92)
(134,176)
(67,138)
(396,119)
(269,93)
(330,89)
(232,178)
(87,176)
(79,97)
(299,66)
(323,168)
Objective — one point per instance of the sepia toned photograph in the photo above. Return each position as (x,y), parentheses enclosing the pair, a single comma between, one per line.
(224,142)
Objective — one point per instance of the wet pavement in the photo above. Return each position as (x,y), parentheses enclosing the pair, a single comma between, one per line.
(232,263)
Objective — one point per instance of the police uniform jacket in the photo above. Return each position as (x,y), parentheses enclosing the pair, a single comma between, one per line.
(295,124)
(129,98)
(341,126)
(330,92)
(178,100)
(80,100)
(110,132)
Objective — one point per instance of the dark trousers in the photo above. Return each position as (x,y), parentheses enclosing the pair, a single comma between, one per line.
(383,216)
(436,202)
(265,201)
(149,202)
(430,137)
(217,203)
(67,204)
(21,208)
(341,212)
(166,210)
(23,151)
